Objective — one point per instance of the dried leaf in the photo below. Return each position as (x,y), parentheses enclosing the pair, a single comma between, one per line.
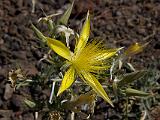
(76,104)
(84,99)
(135,48)
(15,75)
(48,17)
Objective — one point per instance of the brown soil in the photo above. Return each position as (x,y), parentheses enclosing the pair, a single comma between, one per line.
(117,22)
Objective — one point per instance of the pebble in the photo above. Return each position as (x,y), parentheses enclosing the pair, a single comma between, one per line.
(5,114)
(20,55)
(31,69)
(1,77)
(6,37)
(157,46)
(16,43)
(37,54)
(28,116)
(1,41)
(18,102)
(8,92)
(141,31)
(1,102)
(13,31)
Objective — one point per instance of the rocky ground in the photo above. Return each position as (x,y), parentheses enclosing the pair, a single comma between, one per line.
(118,23)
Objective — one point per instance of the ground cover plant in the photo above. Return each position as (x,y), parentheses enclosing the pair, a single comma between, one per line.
(80,73)
(85,61)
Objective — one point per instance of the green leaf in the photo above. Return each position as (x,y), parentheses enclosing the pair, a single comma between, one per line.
(130,77)
(30,103)
(39,34)
(115,90)
(134,92)
(22,84)
(64,19)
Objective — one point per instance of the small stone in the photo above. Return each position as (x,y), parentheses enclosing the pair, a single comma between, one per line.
(8,92)
(5,114)
(109,27)
(118,13)
(141,31)
(20,55)
(2,77)
(36,53)
(1,102)
(18,103)
(6,37)
(157,46)
(1,12)
(15,44)
(5,118)
(28,116)
(13,31)
(31,70)
(1,41)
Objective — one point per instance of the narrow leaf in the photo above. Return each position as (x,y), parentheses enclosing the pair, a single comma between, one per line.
(38,33)
(67,80)
(30,103)
(134,92)
(130,77)
(64,19)
(96,86)
(114,85)
(59,48)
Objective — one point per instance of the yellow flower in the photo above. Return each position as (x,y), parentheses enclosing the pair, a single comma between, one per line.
(86,60)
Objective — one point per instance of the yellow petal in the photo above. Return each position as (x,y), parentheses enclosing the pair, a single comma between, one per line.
(98,68)
(107,54)
(96,86)
(84,35)
(67,80)
(59,48)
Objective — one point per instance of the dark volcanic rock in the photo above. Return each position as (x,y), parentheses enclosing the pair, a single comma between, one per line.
(5,114)
(8,92)
(18,103)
